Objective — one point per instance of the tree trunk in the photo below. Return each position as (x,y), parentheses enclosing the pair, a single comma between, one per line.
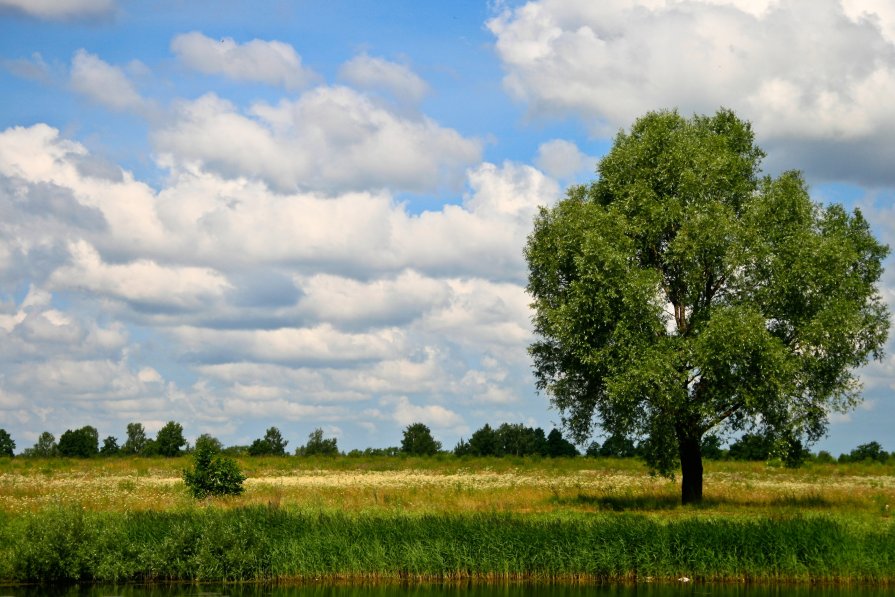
(691,470)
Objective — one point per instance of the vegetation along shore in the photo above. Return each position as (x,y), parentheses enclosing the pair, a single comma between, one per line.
(444,518)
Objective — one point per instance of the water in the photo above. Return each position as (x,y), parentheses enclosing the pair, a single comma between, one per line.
(480,590)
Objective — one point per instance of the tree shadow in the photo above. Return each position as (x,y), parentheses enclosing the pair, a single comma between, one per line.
(623,503)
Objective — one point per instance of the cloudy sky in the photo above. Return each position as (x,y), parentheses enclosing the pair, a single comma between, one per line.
(311,214)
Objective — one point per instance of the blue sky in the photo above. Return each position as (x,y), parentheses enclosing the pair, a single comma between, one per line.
(311,214)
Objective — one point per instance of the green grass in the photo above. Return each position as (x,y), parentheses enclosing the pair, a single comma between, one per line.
(264,543)
(383,518)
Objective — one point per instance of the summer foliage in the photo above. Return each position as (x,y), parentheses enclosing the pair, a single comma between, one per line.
(681,292)
(212,474)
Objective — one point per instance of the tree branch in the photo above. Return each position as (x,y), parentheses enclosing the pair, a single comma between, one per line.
(727,413)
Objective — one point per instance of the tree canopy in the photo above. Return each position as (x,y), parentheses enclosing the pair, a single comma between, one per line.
(418,440)
(683,292)
(170,440)
(136,439)
(272,444)
(80,443)
(7,444)
(318,445)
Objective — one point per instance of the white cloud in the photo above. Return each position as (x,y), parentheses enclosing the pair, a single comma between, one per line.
(270,62)
(347,301)
(143,282)
(799,70)
(433,415)
(298,306)
(562,159)
(301,346)
(377,74)
(104,84)
(214,222)
(61,9)
(331,139)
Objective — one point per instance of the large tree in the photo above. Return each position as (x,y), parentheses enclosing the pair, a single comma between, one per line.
(80,443)
(170,440)
(418,441)
(683,292)
(136,439)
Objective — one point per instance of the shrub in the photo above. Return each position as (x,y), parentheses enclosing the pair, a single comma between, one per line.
(212,473)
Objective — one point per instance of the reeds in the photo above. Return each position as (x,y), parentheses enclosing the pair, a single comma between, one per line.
(260,543)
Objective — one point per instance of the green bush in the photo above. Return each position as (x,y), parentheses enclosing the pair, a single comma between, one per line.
(212,473)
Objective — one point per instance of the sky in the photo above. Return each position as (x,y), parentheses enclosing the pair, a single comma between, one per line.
(238,215)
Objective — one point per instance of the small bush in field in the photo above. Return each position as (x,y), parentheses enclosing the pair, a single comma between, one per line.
(212,473)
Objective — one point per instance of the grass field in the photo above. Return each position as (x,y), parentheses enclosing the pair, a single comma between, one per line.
(863,491)
(442,518)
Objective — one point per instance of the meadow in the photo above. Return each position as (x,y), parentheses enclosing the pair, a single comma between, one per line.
(397,518)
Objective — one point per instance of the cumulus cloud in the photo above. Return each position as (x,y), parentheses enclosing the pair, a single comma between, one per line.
(269,62)
(104,84)
(330,139)
(813,73)
(301,304)
(377,74)
(61,10)
(562,159)
(433,415)
(386,300)
(301,346)
(142,282)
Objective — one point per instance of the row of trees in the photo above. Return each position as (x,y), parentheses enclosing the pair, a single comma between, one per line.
(505,440)
(84,443)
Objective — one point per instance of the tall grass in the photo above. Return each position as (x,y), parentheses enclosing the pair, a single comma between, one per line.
(454,485)
(67,544)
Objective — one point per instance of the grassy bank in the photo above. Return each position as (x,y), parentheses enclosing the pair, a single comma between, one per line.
(264,543)
(120,520)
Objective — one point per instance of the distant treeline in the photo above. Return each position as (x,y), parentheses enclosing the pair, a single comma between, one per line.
(506,440)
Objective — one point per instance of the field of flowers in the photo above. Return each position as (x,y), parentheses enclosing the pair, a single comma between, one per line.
(450,485)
